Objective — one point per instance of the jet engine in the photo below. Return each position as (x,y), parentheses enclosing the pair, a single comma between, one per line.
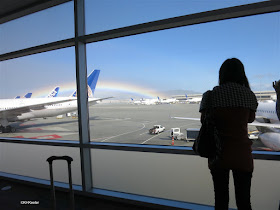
(271,140)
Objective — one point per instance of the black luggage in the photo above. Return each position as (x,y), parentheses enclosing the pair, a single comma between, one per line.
(69,160)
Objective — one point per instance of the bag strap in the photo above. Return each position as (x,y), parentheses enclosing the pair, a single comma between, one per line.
(209,103)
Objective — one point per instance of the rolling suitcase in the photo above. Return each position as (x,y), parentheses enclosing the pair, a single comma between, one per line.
(69,160)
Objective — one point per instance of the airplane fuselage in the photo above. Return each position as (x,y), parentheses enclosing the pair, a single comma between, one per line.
(268,111)
(270,136)
(43,111)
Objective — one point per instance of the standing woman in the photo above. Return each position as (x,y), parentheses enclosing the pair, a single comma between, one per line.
(233,107)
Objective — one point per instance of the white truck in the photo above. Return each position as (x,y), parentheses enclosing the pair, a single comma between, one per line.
(176,133)
(156,129)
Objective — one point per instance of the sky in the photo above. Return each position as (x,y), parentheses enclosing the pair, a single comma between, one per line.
(145,65)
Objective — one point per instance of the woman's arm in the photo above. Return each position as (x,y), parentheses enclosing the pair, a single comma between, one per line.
(276,86)
(252,116)
(202,116)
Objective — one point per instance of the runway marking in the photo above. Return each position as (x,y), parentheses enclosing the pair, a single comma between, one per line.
(115,119)
(53,136)
(20,137)
(187,125)
(151,138)
(30,130)
(124,133)
(143,133)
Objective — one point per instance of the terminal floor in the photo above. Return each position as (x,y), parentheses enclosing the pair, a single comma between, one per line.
(10,199)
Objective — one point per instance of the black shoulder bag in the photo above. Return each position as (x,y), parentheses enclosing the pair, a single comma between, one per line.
(208,143)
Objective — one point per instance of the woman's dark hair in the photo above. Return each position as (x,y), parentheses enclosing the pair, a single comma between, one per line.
(232,70)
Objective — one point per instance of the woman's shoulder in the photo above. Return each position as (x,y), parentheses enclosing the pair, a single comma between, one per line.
(234,95)
(204,104)
(207,93)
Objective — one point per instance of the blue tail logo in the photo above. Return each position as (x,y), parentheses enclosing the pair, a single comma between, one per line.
(74,94)
(27,95)
(92,81)
(53,93)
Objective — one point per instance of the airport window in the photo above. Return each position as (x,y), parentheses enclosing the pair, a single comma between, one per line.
(150,77)
(147,67)
(53,24)
(33,164)
(115,14)
(44,77)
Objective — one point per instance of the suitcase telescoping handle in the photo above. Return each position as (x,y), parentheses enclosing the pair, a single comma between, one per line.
(69,160)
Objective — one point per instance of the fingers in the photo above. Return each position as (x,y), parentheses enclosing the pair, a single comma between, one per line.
(276,86)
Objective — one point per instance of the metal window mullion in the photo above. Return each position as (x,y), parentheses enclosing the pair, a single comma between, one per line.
(38,49)
(81,76)
(32,7)
(186,20)
(192,19)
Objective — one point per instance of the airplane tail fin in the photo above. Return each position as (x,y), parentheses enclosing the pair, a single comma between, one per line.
(186,96)
(27,95)
(53,93)
(74,94)
(17,97)
(92,81)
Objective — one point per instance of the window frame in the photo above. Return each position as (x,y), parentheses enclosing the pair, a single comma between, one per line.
(80,40)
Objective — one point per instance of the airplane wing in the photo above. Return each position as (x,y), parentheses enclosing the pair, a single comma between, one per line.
(186,118)
(270,125)
(94,100)
(6,113)
(255,123)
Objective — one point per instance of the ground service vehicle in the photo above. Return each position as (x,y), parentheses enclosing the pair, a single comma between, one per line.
(176,133)
(156,129)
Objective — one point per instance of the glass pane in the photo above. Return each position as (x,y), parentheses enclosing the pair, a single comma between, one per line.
(102,15)
(171,64)
(39,74)
(53,24)
(30,160)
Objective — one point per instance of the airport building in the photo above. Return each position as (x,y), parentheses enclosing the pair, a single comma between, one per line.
(41,39)
(261,95)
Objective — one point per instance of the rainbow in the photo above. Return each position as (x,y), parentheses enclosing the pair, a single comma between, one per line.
(68,88)
(65,89)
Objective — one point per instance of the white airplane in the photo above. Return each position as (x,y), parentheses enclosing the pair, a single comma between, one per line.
(270,134)
(267,122)
(195,100)
(136,102)
(12,110)
(151,101)
(145,101)
(168,101)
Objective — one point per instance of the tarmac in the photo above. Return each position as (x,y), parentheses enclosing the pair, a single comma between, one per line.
(119,123)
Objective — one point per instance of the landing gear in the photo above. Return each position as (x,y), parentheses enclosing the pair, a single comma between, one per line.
(7,129)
